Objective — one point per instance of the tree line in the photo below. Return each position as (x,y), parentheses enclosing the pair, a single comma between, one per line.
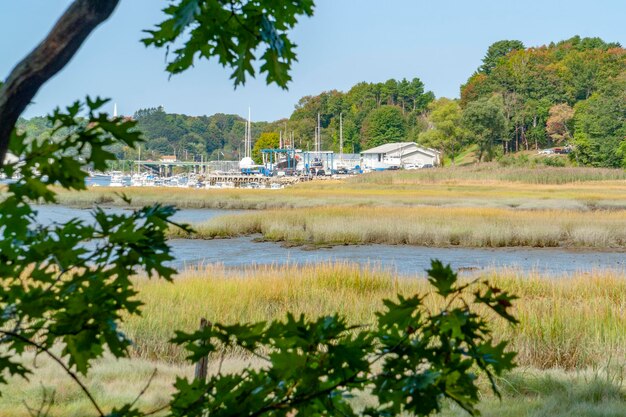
(570,93)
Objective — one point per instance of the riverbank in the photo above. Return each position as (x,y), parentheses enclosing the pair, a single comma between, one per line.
(469,227)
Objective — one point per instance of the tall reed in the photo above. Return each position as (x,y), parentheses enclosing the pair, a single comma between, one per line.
(567,322)
(426,226)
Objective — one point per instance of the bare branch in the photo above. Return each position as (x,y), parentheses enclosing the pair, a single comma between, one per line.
(60,362)
(145,388)
(48,58)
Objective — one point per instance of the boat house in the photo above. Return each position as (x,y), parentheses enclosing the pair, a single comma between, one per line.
(399,154)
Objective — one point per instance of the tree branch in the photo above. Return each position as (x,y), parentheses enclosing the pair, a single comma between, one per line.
(48,58)
(60,362)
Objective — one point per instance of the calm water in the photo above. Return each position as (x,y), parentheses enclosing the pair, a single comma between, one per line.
(240,252)
(49,214)
(403,259)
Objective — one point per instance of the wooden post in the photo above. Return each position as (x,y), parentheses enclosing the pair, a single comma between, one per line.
(202,365)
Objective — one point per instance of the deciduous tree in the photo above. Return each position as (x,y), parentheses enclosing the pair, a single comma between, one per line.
(446,132)
(383,125)
(267,140)
(484,119)
(557,125)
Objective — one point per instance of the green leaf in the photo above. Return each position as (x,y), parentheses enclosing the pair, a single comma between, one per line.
(442,278)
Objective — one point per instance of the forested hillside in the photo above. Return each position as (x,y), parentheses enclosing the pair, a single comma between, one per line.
(569,93)
(572,92)
(182,135)
(373,114)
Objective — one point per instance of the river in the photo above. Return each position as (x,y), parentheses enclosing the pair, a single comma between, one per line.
(406,260)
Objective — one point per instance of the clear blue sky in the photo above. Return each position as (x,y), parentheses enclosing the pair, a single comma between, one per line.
(347,41)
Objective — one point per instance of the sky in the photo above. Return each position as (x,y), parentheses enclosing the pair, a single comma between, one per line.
(346,41)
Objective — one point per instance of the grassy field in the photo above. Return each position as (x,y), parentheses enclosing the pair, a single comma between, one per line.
(425,226)
(566,322)
(571,339)
(526,392)
(482,186)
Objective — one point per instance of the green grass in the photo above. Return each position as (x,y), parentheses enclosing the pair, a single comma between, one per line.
(466,157)
(425,226)
(554,393)
(526,392)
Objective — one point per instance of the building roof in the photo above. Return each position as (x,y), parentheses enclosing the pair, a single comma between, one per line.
(395,147)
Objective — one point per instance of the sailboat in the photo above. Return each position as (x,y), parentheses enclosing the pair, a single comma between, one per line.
(247,163)
(340,165)
(317,165)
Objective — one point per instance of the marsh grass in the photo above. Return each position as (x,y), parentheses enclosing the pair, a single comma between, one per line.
(526,392)
(425,226)
(476,186)
(569,322)
(496,173)
(112,382)
(554,393)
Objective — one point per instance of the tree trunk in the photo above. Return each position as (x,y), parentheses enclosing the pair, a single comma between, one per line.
(47,59)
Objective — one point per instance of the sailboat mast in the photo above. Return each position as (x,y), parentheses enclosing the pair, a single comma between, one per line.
(249,136)
(318,141)
(341,136)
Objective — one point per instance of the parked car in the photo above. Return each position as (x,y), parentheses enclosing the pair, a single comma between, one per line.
(427,166)
(410,166)
(562,151)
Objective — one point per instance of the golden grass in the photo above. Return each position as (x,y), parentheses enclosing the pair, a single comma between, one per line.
(495,172)
(567,322)
(426,226)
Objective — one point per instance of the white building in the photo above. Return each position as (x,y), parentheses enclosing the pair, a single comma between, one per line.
(168,158)
(398,155)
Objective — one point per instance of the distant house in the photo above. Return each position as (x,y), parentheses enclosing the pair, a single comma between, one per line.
(398,155)
(168,158)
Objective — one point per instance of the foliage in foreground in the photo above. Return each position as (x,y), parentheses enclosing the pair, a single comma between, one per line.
(68,286)
(410,359)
